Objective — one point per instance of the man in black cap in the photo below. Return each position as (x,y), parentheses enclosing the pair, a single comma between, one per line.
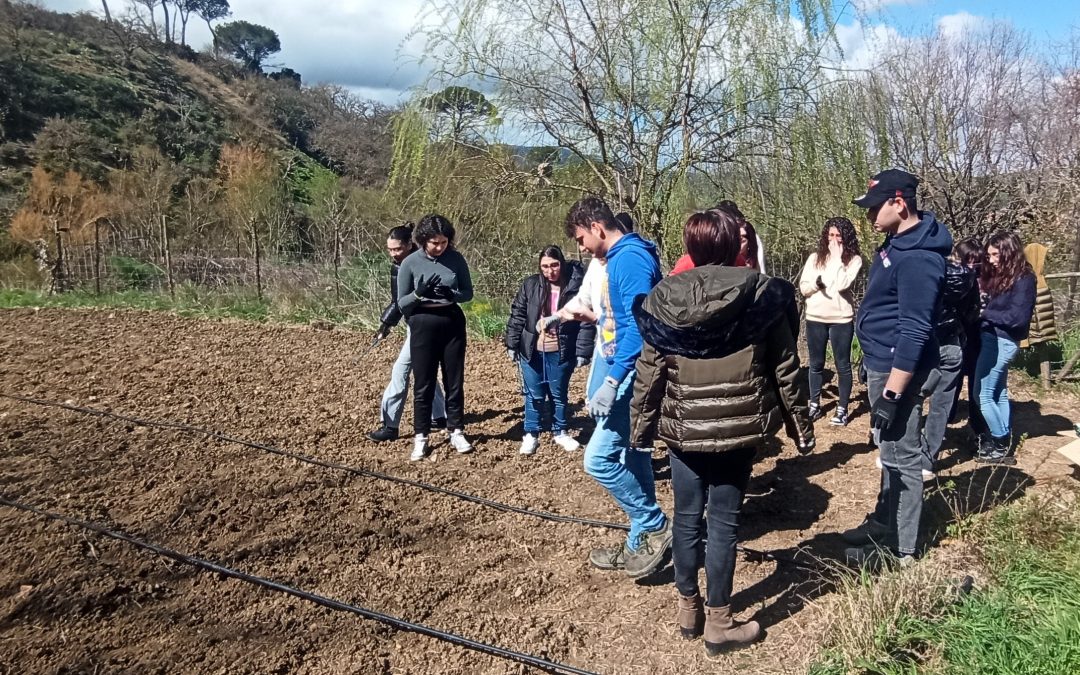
(895,325)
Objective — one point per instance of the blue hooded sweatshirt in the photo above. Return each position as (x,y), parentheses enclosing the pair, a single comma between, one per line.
(896,320)
(633,268)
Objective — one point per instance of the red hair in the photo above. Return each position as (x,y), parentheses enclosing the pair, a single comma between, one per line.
(712,238)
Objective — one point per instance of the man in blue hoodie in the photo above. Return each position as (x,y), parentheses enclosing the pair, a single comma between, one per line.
(895,325)
(633,268)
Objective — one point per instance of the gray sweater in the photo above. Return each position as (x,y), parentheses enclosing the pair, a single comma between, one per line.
(452,270)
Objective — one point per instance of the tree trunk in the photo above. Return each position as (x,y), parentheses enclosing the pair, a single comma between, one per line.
(168,30)
(108,14)
(1070,308)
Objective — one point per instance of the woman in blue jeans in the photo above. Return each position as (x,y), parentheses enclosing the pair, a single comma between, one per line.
(1008,283)
(546,349)
(719,373)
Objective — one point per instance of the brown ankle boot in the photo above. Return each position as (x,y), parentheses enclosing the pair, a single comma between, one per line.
(723,633)
(690,616)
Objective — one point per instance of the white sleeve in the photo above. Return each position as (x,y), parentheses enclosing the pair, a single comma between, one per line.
(760,254)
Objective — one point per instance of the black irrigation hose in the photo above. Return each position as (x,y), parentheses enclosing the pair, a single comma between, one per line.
(483,501)
(400,624)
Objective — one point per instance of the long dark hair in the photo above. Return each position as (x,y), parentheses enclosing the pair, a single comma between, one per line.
(1011,264)
(555,252)
(848,239)
(433,225)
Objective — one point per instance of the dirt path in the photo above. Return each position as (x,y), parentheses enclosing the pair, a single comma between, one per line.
(70,601)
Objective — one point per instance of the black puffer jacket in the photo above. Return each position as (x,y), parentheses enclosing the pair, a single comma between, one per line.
(959,302)
(575,339)
(391,315)
(720,366)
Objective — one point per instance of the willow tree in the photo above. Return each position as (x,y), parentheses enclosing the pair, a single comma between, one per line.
(643,93)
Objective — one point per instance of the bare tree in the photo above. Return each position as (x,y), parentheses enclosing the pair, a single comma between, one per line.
(640,93)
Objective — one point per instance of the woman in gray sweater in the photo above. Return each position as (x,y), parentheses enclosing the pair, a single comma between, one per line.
(431,283)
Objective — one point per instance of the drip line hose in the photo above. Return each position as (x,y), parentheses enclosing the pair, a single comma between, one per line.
(400,624)
(378,475)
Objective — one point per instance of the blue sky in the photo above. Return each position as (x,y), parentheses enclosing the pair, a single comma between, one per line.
(1041,18)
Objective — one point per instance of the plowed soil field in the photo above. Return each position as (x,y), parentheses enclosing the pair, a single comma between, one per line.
(73,601)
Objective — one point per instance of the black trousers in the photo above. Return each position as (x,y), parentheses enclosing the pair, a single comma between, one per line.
(437,340)
(840,335)
(710,485)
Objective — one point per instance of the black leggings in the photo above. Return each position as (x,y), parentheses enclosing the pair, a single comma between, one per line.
(438,340)
(714,482)
(839,334)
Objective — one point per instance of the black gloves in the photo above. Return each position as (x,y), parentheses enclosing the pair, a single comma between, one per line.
(425,288)
(443,292)
(883,412)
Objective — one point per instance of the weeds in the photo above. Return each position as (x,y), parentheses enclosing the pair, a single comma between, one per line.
(1024,620)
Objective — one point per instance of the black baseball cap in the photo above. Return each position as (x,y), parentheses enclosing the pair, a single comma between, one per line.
(888,184)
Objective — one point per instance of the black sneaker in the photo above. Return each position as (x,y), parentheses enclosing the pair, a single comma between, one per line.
(383,435)
(815,413)
(438,423)
(996,451)
(839,418)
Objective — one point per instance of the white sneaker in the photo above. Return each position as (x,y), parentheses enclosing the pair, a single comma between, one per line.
(420,448)
(928,475)
(529,444)
(460,443)
(566,441)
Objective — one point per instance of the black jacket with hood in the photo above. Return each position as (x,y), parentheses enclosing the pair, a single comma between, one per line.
(575,339)
(391,315)
(720,365)
(899,312)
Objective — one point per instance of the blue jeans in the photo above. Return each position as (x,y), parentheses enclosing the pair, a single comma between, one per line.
(626,474)
(713,484)
(544,378)
(991,381)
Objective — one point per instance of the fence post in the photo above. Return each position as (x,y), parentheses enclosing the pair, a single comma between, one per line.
(97,257)
(258,269)
(168,255)
(337,263)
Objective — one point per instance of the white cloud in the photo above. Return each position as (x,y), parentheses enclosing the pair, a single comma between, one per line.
(863,45)
(873,6)
(955,25)
(355,43)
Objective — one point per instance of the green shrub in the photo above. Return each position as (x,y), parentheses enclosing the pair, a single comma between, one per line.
(135,274)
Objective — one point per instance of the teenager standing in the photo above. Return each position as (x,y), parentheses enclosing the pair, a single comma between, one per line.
(432,282)
(718,374)
(826,283)
(399,245)
(1009,285)
(546,349)
(633,268)
(895,325)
